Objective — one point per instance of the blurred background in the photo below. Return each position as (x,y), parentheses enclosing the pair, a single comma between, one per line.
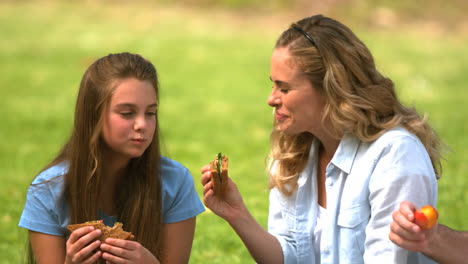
(213,62)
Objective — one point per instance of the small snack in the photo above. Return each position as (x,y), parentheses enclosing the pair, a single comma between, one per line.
(426,217)
(113,232)
(219,173)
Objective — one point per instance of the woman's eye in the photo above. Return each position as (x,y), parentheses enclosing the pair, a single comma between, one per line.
(284,90)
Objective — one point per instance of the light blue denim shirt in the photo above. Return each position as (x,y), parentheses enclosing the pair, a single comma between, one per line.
(365,183)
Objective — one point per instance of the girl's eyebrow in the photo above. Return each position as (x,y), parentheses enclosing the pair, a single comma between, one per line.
(133,105)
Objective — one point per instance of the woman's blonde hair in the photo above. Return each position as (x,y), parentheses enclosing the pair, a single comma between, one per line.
(359,99)
(138,199)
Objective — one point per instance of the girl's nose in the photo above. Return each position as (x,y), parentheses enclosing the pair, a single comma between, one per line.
(139,124)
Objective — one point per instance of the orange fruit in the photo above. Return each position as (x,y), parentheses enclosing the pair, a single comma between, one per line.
(426,217)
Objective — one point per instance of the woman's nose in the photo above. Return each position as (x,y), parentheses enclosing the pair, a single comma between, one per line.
(273,99)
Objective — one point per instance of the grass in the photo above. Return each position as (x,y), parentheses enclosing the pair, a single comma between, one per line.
(214,69)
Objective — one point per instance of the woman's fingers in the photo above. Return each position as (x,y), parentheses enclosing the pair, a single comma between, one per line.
(205,168)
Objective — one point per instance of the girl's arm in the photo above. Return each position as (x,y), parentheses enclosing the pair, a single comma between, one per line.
(47,248)
(177,241)
(78,248)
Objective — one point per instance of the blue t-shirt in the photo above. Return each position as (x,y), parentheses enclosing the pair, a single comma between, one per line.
(46,210)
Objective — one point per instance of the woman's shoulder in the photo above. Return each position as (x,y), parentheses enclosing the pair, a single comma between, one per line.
(396,137)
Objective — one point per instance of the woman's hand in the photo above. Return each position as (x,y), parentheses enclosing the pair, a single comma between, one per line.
(405,233)
(227,206)
(119,251)
(81,247)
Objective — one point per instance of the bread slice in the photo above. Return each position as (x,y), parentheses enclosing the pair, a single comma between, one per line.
(107,232)
(220,179)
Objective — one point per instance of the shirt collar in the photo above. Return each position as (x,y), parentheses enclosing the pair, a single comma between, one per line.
(346,153)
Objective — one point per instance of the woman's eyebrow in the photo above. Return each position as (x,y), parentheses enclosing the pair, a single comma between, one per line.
(280,83)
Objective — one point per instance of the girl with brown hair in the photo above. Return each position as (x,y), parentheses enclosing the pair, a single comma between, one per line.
(344,153)
(111,169)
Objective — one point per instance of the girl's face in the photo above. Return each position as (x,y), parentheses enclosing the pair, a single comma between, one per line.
(130,119)
(298,105)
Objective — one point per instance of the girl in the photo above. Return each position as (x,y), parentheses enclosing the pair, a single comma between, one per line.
(111,169)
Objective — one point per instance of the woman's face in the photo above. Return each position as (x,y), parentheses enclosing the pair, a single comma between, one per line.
(298,105)
(130,119)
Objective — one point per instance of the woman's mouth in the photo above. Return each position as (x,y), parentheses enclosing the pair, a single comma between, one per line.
(280,116)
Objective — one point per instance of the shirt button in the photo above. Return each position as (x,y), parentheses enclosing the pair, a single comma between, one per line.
(325,250)
(329,182)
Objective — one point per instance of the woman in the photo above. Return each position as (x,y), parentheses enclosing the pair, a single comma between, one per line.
(111,169)
(344,153)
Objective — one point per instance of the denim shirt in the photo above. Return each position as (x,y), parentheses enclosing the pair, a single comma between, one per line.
(365,182)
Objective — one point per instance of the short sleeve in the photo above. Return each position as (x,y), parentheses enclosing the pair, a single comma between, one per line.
(180,199)
(44,210)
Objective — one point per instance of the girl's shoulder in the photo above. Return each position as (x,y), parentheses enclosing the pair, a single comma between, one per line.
(51,173)
(170,167)
(173,173)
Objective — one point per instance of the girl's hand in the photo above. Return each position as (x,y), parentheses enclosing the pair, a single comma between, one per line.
(120,251)
(227,206)
(82,246)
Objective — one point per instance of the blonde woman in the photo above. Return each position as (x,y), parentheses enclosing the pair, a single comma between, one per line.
(344,153)
(111,169)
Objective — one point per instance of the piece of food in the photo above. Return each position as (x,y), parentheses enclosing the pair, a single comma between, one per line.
(107,232)
(219,173)
(426,217)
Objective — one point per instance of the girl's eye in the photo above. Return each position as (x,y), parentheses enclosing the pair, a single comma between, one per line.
(285,91)
(126,114)
(151,113)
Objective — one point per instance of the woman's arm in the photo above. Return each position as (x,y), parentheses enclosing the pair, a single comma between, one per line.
(439,243)
(403,171)
(262,246)
(177,241)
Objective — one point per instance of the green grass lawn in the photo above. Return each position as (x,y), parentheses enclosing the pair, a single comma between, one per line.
(214,70)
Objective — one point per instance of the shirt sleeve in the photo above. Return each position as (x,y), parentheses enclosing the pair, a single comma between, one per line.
(277,226)
(403,172)
(180,199)
(40,213)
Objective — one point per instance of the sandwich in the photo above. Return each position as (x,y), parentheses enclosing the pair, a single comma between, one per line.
(219,173)
(107,232)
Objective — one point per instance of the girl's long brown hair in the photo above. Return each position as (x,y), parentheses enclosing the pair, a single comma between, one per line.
(359,99)
(139,192)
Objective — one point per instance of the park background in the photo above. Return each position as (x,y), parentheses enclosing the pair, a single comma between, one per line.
(213,63)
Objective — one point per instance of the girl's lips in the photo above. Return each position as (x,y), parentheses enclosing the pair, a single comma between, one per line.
(138,140)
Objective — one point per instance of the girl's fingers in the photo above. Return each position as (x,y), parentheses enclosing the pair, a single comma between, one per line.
(95,257)
(80,232)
